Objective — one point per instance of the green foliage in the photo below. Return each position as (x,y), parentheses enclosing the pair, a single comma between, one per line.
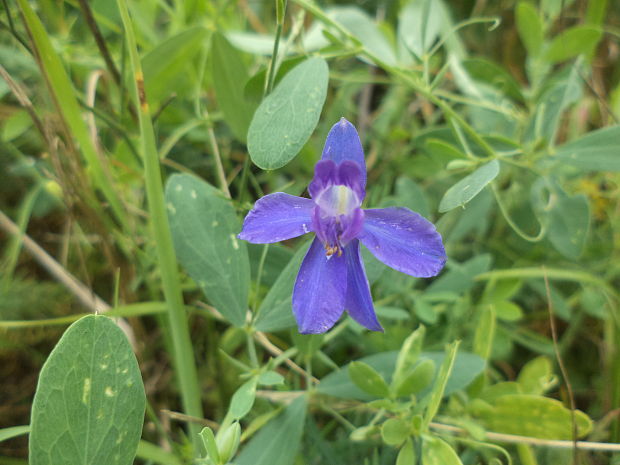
(515,122)
(287,117)
(468,187)
(203,224)
(90,400)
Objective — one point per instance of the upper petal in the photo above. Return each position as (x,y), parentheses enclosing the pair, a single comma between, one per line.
(277,217)
(359,301)
(320,290)
(403,240)
(325,175)
(343,143)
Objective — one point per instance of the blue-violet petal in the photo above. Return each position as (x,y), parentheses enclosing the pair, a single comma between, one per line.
(277,217)
(320,290)
(403,240)
(359,301)
(343,143)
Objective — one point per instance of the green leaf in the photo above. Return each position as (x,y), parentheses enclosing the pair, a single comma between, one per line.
(270,378)
(419,25)
(394,431)
(508,311)
(468,187)
(277,443)
(417,379)
(569,222)
(436,451)
(204,228)
(530,27)
(409,353)
(557,97)
(596,151)
(534,416)
(229,78)
(360,25)
(567,217)
(485,332)
(243,399)
(276,309)
(166,67)
(536,377)
(406,455)
(89,404)
(368,380)
(572,42)
(208,440)
(287,117)
(441,382)
(338,384)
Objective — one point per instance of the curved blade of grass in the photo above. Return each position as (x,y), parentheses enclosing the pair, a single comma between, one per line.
(183,352)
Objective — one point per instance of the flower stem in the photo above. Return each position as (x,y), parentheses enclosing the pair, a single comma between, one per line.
(522,234)
(182,347)
(280,10)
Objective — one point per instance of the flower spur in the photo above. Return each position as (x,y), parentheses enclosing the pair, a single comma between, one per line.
(332,277)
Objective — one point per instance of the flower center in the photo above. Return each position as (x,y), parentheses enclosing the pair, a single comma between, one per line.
(337,200)
(337,218)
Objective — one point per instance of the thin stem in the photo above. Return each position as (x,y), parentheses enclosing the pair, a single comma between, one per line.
(219,167)
(537,238)
(280,10)
(259,275)
(515,439)
(252,348)
(563,370)
(183,352)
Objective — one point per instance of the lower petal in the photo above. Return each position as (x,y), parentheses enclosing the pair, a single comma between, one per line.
(277,217)
(404,241)
(359,301)
(320,290)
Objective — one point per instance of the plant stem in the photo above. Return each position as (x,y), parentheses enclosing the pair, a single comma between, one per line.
(183,352)
(280,9)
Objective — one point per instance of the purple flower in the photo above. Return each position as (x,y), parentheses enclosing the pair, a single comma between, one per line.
(332,276)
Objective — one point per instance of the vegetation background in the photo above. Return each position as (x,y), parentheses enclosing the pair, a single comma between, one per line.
(496,120)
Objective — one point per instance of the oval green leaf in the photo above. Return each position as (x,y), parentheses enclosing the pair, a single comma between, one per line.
(468,187)
(596,151)
(287,117)
(528,415)
(89,404)
(204,228)
(436,451)
(368,380)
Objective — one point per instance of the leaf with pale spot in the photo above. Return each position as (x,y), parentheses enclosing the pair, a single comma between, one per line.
(89,405)
(204,228)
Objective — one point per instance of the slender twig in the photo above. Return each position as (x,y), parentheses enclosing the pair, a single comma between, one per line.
(100,41)
(190,419)
(558,356)
(221,174)
(515,439)
(86,296)
(262,339)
